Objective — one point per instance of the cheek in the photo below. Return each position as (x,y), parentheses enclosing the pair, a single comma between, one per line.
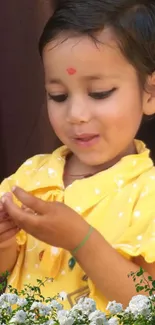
(53,115)
(56,118)
(120,111)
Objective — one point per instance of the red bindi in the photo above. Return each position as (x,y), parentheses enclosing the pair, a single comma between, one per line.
(71,71)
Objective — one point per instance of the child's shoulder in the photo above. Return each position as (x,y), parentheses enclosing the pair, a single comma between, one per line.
(36,162)
(33,165)
(40,162)
(36,172)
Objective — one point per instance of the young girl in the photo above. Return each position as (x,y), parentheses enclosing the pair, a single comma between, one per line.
(93,198)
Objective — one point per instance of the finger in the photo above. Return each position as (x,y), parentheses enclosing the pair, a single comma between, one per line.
(9,234)
(30,201)
(25,208)
(1,204)
(27,221)
(4,216)
(8,194)
(6,226)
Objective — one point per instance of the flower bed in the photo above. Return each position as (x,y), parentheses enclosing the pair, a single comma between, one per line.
(29,307)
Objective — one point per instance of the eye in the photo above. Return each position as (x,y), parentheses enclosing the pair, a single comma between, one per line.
(57,98)
(102,94)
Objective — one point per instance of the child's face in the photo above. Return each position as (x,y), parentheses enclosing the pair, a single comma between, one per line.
(95,103)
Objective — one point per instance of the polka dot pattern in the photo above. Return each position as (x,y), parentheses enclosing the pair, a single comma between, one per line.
(119,203)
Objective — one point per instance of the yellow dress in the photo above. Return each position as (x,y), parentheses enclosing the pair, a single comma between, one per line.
(119,202)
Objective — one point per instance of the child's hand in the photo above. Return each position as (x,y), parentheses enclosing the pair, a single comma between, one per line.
(8,229)
(51,222)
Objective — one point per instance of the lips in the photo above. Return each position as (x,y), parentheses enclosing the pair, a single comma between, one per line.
(86,137)
(86,140)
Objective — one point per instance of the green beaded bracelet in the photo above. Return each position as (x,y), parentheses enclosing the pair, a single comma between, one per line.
(75,250)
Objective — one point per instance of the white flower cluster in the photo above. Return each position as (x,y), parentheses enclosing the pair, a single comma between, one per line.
(15,310)
(139,305)
(114,307)
(85,312)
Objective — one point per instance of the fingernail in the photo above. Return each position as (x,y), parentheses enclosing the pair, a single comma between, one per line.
(14,188)
(5,197)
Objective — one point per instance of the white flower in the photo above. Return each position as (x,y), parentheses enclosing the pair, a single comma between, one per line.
(84,306)
(22,302)
(66,320)
(10,298)
(113,321)
(139,305)
(35,305)
(64,317)
(54,304)
(4,305)
(32,316)
(97,317)
(7,308)
(43,309)
(114,307)
(62,313)
(19,317)
(2,297)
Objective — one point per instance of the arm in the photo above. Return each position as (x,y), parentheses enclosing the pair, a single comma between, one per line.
(109,270)
(58,225)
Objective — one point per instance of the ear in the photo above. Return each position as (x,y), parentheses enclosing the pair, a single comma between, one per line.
(149,96)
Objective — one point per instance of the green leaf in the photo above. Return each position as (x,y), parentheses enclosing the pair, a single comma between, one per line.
(140,272)
(139,288)
(150,278)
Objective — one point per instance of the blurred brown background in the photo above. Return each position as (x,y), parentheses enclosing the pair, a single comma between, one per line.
(24,127)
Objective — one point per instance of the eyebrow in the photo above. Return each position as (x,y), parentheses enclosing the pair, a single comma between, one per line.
(85,78)
(55,81)
(99,77)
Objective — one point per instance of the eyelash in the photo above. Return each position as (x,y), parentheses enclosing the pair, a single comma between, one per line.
(102,95)
(58,98)
(95,95)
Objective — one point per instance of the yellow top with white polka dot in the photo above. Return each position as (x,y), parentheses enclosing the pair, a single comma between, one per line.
(119,202)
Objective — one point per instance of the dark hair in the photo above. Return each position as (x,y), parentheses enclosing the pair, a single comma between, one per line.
(133,22)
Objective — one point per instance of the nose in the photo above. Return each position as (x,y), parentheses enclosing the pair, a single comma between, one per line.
(78,112)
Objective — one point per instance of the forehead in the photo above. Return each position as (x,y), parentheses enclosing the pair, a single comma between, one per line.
(85,55)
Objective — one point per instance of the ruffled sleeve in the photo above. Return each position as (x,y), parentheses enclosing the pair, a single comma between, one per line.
(33,176)
(23,177)
(5,187)
(139,238)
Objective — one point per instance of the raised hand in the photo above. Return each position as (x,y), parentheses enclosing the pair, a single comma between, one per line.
(51,222)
